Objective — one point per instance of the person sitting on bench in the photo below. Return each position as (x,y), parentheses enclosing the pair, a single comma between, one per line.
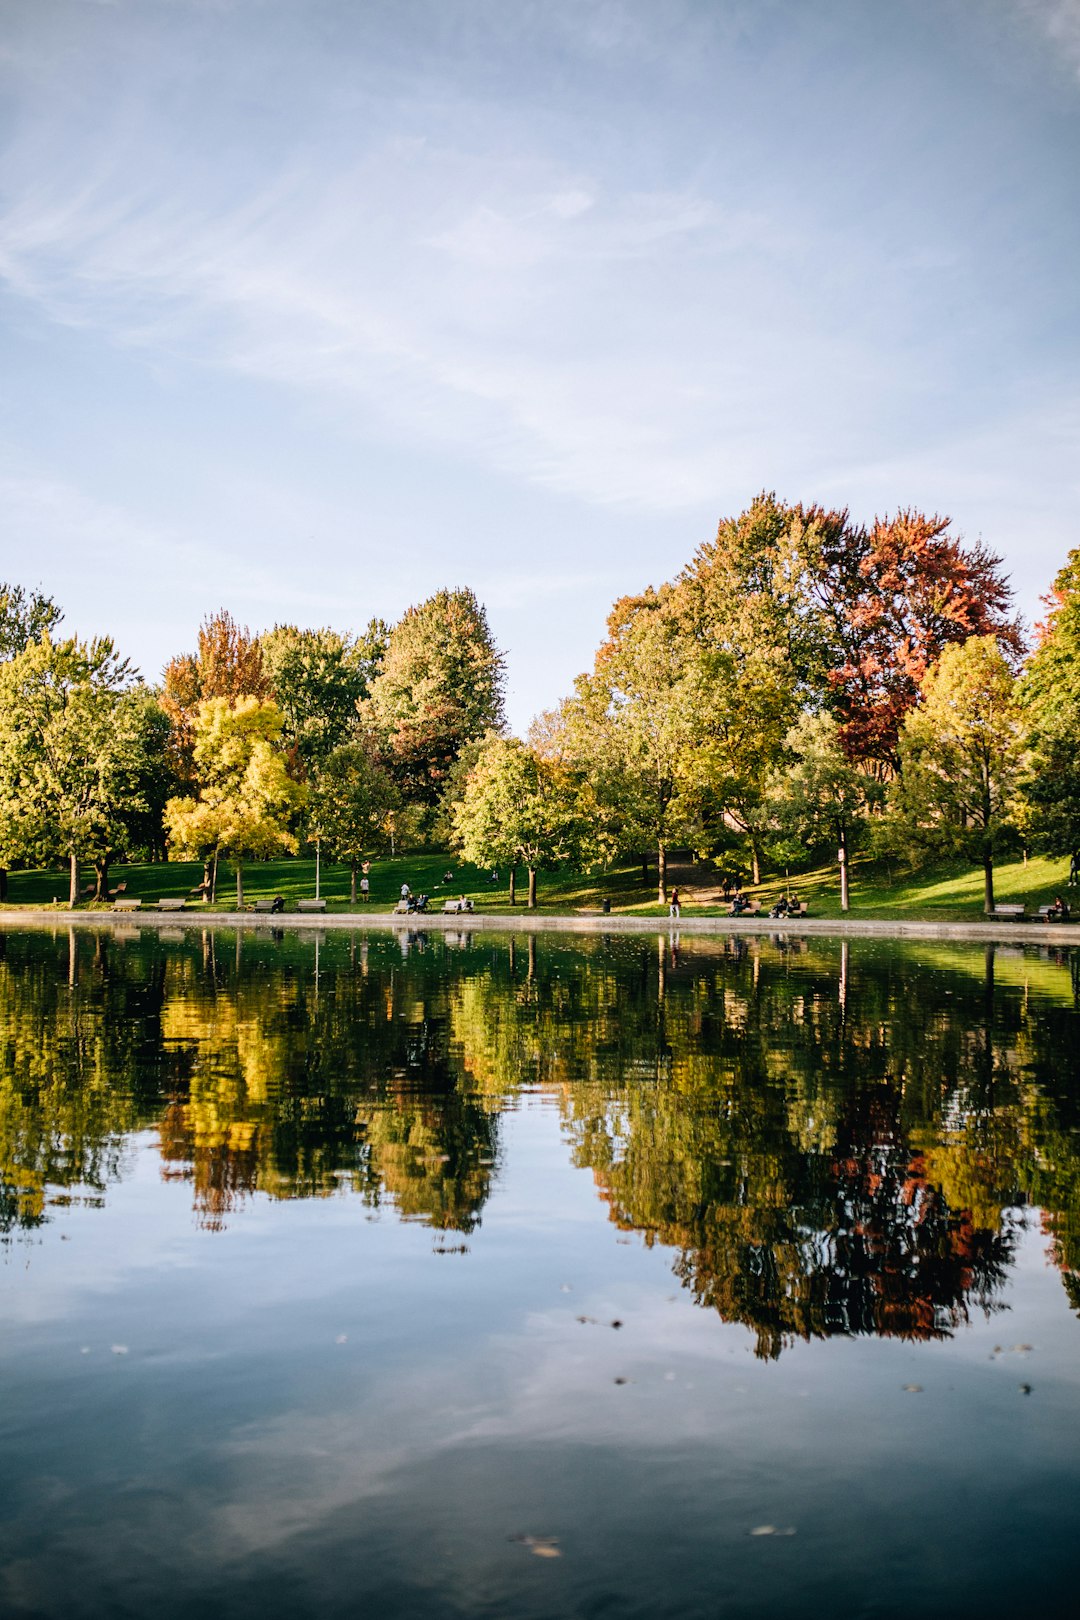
(1058,912)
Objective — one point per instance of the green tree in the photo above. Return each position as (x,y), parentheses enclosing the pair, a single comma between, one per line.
(246,800)
(76,748)
(817,793)
(352,801)
(318,678)
(440,686)
(517,809)
(25,616)
(962,757)
(1050,693)
(635,731)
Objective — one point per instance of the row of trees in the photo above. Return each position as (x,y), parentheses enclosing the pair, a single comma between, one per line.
(249,744)
(803,682)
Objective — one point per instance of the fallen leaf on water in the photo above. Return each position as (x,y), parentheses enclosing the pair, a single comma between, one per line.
(913,1389)
(622,1380)
(342,1338)
(588,1319)
(565,1288)
(540,1546)
(763,1530)
(119,1349)
(616,1323)
(1025,1389)
(1023,1348)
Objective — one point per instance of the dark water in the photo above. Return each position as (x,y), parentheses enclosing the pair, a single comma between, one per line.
(461,1276)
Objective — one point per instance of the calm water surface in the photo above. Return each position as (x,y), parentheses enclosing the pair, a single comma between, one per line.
(451,1276)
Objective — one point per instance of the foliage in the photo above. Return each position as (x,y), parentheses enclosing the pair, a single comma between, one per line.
(1050,694)
(317,679)
(351,804)
(633,734)
(77,747)
(817,793)
(961,757)
(25,616)
(895,596)
(246,800)
(228,663)
(517,808)
(440,687)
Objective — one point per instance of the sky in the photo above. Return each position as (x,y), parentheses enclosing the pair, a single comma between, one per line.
(309,308)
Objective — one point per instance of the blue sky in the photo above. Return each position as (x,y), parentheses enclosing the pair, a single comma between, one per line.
(310,307)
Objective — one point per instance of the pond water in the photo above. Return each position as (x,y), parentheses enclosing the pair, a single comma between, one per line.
(395,1274)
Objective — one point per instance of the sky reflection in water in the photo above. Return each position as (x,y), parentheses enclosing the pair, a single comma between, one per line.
(310,1279)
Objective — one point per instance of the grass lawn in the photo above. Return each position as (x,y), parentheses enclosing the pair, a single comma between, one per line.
(944,893)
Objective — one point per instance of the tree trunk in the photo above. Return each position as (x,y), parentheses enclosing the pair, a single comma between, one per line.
(842,852)
(3,882)
(988,882)
(239,885)
(661,873)
(755,865)
(513,885)
(531,902)
(101,872)
(73,889)
(213,879)
(352,882)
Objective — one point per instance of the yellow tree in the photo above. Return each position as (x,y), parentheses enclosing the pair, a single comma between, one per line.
(246,799)
(961,757)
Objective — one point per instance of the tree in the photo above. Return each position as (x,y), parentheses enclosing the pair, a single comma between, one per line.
(25,616)
(351,804)
(75,750)
(894,596)
(1050,693)
(634,731)
(440,686)
(517,809)
(961,757)
(228,663)
(246,799)
(747,601)
(318,678)
(817,792)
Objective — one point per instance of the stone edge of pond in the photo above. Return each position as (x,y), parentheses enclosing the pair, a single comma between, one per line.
(591,923)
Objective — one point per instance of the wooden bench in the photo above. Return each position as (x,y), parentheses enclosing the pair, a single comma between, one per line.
(126,905)
(457,906)
(748,911)
(1009,913)
(263,905)
(1044,915)
(311,905)
(172,904)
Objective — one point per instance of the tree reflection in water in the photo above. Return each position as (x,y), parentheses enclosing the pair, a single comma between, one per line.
(833,1138)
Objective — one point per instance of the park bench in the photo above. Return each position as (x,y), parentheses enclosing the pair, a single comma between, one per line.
(1009,913)
(311,905)
(457,905)
(175,903)
(263,905)
(1044,915)
(126,905)
(748,911)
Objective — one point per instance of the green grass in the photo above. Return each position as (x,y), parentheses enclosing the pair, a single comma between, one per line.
(945,893)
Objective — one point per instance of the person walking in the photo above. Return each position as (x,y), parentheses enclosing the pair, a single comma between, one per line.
(673,909)
(365,888)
